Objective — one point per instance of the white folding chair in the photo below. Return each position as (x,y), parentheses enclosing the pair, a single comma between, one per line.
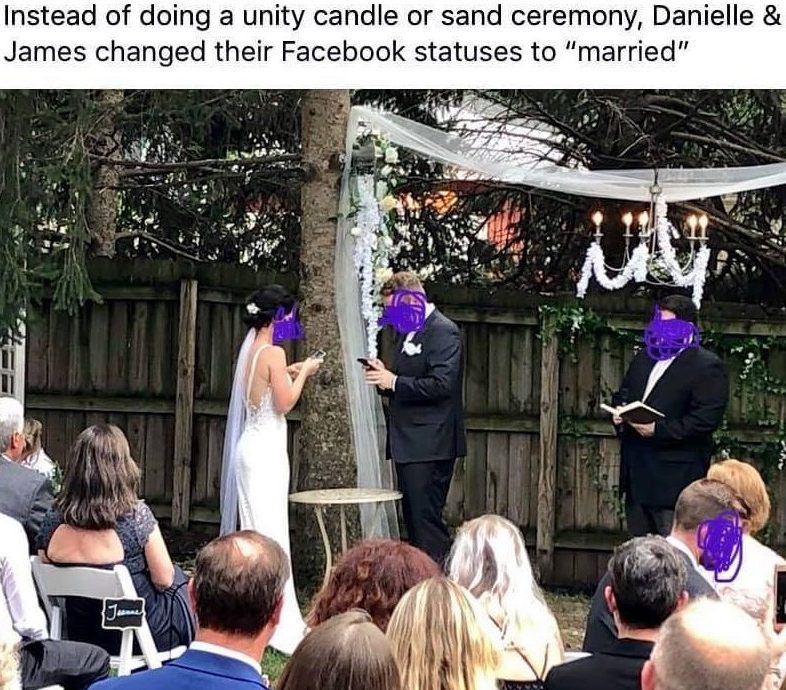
(55,582)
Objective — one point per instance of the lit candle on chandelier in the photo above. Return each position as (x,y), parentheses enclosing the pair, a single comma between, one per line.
(627,221)
(692,221)
(644,222)
(703,223)
(597,219)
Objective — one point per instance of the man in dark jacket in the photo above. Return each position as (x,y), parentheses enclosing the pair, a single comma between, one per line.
(647,584)
(687,384)
(426,417)
(702,500)
(25,495)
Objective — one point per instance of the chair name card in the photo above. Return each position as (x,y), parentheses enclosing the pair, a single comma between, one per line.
(122,614)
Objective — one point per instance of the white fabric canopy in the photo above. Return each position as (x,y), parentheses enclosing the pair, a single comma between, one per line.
(475,152)
(476,155)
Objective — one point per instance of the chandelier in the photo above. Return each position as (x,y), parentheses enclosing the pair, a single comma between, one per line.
(649,256)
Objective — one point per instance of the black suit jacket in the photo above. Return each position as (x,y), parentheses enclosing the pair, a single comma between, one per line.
(601,633)
(26,496)
(426,412)
(692,394)
(617,669)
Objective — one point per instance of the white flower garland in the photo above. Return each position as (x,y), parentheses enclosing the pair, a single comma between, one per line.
(638,265)
(696,276)
(377,211)
(595,263)
(367,259)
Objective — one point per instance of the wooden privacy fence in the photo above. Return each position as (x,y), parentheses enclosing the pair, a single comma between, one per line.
(156,358)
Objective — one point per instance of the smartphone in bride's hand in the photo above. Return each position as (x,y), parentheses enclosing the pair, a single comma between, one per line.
(319,354)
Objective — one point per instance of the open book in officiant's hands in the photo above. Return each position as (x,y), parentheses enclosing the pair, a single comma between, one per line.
(634,413)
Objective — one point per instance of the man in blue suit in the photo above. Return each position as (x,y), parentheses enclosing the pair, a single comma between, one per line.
(237,592)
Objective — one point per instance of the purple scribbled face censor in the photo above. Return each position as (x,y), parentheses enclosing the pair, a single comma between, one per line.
(406,312)
(286,326)
(667,338)
(720,540)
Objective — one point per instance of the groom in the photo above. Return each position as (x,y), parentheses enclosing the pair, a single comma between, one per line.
(426,417)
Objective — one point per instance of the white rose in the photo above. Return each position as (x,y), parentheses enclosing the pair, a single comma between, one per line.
(386,171)
(382,189)
(389,203)
(383,275)
(391,155)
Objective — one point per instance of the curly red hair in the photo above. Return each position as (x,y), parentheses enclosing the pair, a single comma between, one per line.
(373,575)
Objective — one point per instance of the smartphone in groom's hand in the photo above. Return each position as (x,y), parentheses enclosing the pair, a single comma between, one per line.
(365,362)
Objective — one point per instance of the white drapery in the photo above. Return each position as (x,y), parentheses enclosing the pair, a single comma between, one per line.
(477,155)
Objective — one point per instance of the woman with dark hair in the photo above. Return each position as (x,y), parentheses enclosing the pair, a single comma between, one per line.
(348,652)
(255,469)
(373,575)
(98,520)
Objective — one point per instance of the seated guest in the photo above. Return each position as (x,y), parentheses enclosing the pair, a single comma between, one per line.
(25,495)
(348,652)
(489,559)
(708,645)
(373,575)
(97,520)
(647,585)
(702,500)
(34,456)
(442,640)
(42,661)
(237,592)
(753,585)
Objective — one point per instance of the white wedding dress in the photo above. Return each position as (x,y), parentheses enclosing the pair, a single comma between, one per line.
(262,466)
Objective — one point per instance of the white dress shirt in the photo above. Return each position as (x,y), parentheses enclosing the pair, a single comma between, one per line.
(655,375)
(407,344)
(211,648)
(677,544)
(20,614)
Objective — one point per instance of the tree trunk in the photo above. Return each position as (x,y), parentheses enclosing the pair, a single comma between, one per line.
(325,453)
(105,143)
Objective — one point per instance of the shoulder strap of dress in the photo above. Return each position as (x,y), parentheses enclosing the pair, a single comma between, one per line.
(253,369)
(516,648)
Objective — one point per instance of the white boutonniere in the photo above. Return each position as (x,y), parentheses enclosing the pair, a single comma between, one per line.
(411,349)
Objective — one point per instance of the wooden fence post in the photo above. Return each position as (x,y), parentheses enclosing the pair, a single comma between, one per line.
(184,405)
(547,470)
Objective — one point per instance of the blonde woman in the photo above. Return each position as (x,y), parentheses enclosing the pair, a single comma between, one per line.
(441,640)
(489,558)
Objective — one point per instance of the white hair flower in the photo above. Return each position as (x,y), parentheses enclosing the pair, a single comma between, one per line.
(252,309)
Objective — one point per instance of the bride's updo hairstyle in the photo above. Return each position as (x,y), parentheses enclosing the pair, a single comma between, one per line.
(261,307)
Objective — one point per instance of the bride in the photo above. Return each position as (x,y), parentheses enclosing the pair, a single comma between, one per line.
(255,469)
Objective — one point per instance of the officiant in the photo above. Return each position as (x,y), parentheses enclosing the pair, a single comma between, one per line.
(689,386)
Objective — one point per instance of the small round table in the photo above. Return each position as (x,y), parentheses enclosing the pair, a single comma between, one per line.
(320,498)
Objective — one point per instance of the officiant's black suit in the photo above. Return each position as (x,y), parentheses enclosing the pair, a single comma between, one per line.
(692,394)
(426,428)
